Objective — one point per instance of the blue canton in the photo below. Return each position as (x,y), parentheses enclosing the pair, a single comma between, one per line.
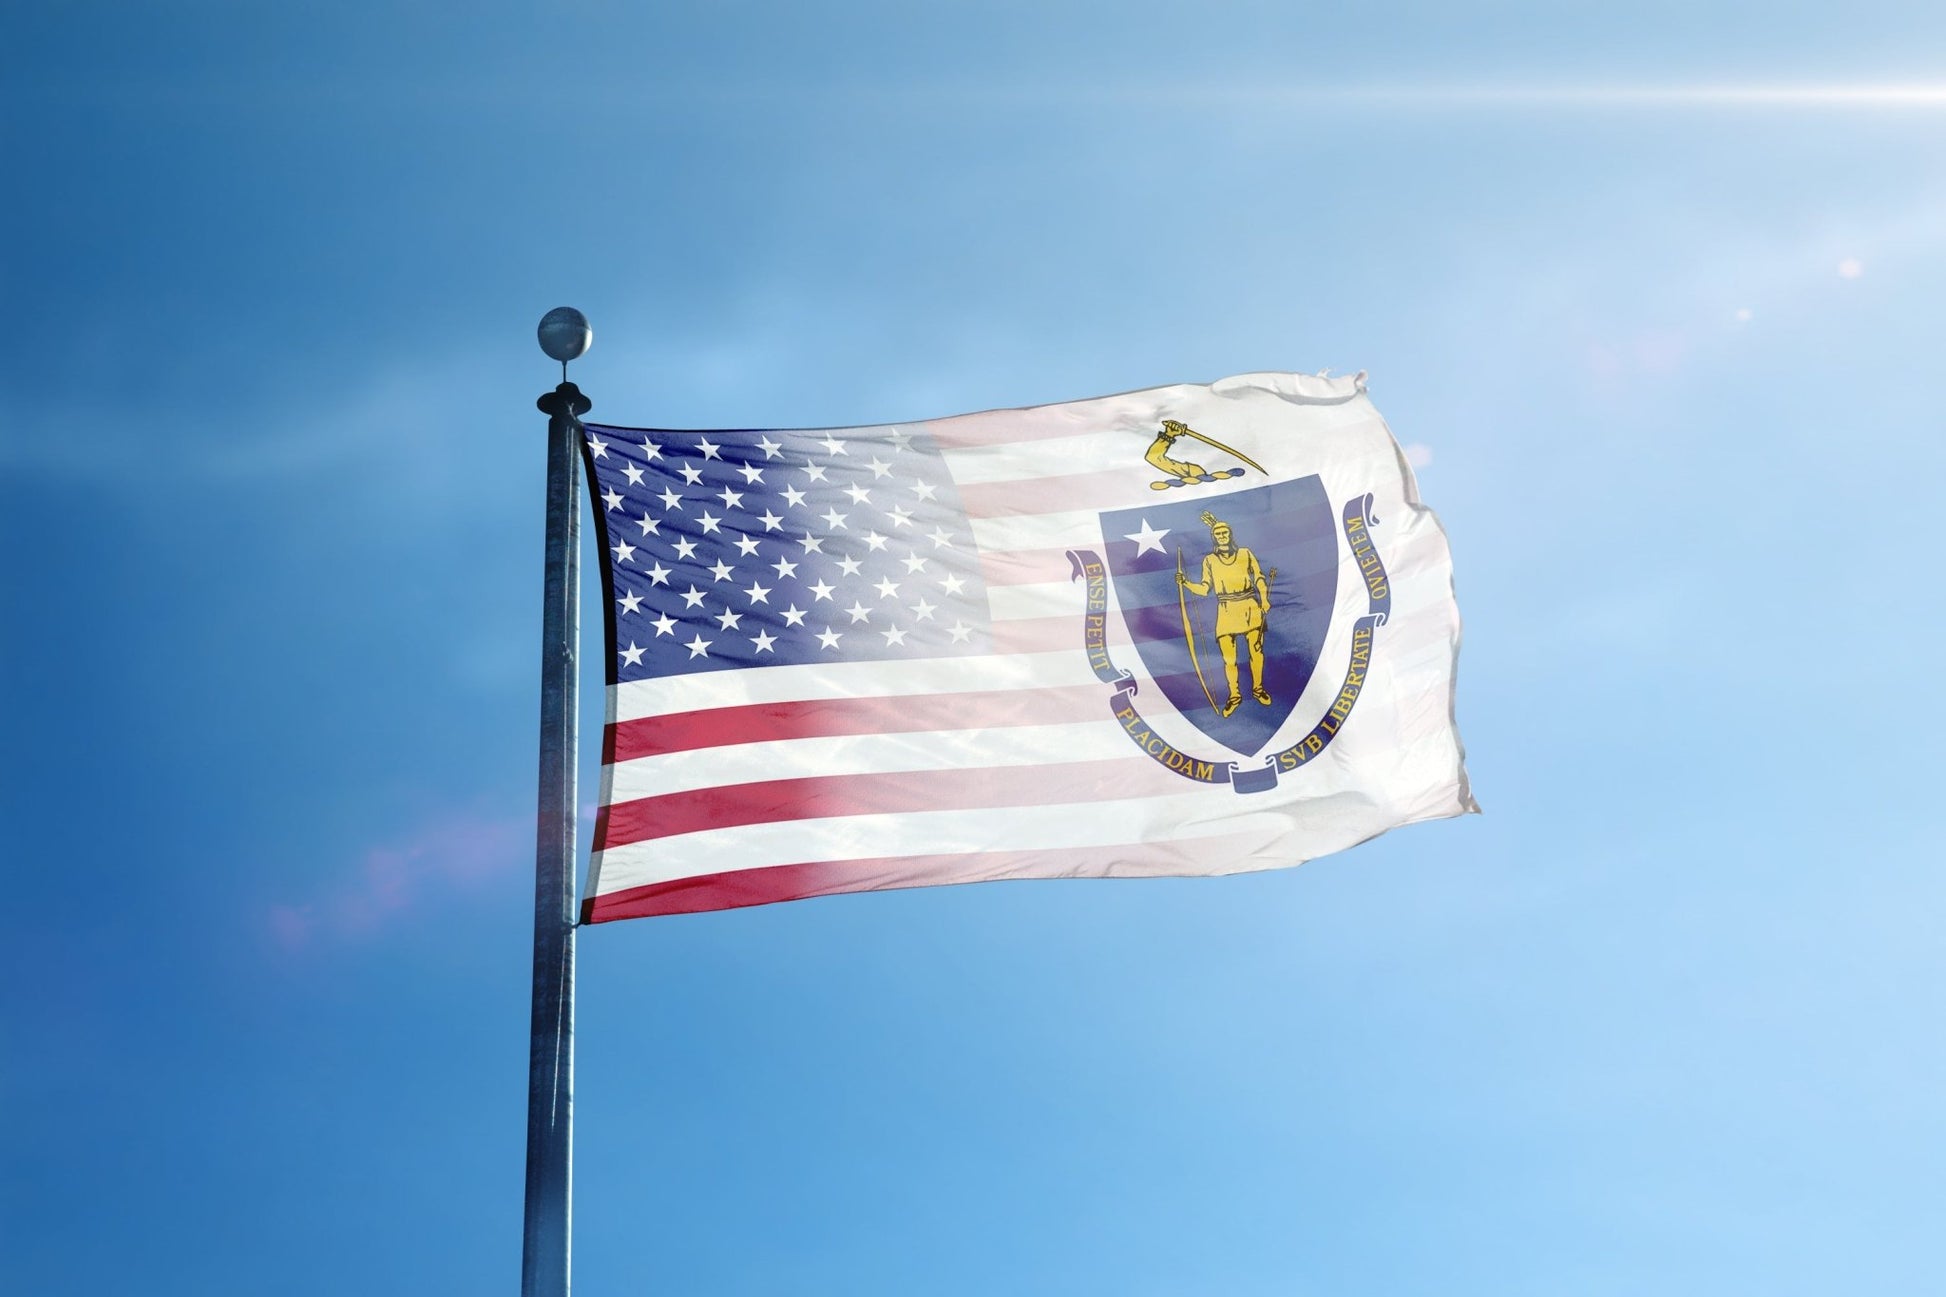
(744,549)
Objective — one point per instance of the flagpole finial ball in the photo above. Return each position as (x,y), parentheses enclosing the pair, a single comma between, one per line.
(565,334)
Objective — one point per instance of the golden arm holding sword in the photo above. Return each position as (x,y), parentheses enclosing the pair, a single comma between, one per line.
(1242,591)
(1182,472)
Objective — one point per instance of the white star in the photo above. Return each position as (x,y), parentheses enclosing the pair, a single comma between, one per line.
(758,593)
(793,496)
(849,566)
(729,620)
(708,448)
(875,540)
(923,489)
(685,548)
(893,635)
(630,601)
(746,545)
(785,567)
(692,599)
(833,519)
(751,474)
(611,498)
(793,616)
(763,640)
(811,542)
(886,588)
(771,521)
(859,612)
(822,591)
(913,563)
(664,625)
(649,526)
(900,517)
(691,474)
(858,494)
(880,468)
(951,583)
(769,447)
(721,569)
(633,474)
(815,473)
(832,445)
(650,451)
(1147,539)
(923,610)
(624,551)
(731,499)
(901,438)
(828,638)
(698,647)
(670,500)
(959,632)
(709,522)
(632,656)
(658,575)
(940,537)
(597,448)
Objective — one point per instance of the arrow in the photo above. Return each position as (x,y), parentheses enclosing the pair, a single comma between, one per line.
(1189,636)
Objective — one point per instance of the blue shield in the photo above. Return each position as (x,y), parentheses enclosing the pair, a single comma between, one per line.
(1289,531)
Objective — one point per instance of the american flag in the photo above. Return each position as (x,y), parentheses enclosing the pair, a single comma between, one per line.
(846,660)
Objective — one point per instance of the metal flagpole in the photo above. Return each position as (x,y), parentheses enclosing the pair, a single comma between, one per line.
(545,1250)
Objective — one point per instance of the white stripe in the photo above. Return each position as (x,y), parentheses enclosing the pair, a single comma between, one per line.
(635,699)
(1071,528)
(1064,530)
(860,754)
(1200,813)
(1042,599)
(1086,452)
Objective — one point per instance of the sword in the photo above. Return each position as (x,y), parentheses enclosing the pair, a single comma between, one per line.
(1189,636)
(1227,450)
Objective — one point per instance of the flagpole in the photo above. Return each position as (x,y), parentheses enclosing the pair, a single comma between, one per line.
(545,1240)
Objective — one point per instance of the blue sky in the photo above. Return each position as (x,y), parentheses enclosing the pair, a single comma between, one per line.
(1664,1019)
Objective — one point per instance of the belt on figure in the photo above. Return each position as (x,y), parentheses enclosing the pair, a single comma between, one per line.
(1233,598)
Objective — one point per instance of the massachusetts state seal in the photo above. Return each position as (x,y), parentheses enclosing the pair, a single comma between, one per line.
(1230,599)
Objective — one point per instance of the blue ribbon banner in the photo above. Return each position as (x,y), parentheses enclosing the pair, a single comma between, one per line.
(1087,566)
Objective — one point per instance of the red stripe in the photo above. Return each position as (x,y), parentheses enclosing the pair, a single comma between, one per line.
(1035,495)
(733,890)
(825,717)
(1041,635)
(1004,427)
(1026,566)
(894,792)
(1050,634)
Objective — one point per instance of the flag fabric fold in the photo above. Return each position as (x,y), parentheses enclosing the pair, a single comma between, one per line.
(1190,630)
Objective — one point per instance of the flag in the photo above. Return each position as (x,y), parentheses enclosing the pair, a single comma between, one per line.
(1190,630)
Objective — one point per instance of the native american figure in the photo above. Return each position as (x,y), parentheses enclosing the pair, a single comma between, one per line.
(1242,592)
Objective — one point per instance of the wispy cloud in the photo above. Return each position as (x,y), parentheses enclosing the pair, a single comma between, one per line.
(428,867)
(1189,92)
(1924,94)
